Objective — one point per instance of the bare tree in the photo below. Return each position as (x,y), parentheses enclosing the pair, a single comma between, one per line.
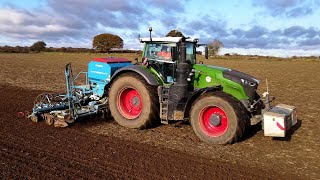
(214,47)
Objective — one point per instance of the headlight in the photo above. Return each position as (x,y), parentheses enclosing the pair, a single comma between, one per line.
(246,82)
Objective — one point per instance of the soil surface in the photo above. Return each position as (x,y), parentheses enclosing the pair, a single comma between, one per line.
(97,148)
(35,150)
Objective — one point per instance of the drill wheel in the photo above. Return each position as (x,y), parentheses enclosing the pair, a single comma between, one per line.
(34,118)
(49,119)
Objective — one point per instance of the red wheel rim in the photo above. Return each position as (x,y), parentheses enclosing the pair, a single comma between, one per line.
(129,103)
(213,121)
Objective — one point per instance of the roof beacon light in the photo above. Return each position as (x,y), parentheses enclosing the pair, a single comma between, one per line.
(150,30)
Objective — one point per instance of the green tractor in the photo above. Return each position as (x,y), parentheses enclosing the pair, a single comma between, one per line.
(168,85)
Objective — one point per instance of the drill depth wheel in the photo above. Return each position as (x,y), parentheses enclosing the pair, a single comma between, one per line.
(49,119)
(34,118)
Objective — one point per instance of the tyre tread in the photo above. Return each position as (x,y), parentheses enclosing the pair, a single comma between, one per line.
(152,91)
(240,111)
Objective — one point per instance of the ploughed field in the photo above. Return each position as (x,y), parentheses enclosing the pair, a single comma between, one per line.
(100,148)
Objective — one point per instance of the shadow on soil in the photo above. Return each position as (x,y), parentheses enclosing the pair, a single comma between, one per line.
(96,120)
(250,131)
(92,121)
(290,132)
(179,124)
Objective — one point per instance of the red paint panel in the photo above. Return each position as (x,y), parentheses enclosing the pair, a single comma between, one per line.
(111,60)
(280,127)
(207,127)
(129,102)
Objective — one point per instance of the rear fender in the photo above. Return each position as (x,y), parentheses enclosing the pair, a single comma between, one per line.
(149,77)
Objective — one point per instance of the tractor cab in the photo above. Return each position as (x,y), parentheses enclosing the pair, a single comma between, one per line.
(162,54)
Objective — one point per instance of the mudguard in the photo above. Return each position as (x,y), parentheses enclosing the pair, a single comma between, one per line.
(140,70)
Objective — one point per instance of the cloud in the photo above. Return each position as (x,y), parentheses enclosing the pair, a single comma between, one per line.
(246,42)
(270,52)
(276,4)
(287,8)
(261,37)
(25,24)
(301,32)
(310,42)
(113,13)
(76,22)
(82,19)
(206,26)
(167,5)
(254,32)
(294,31)
(299,11)
(117,13)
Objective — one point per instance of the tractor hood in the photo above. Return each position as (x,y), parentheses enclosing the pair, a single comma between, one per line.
(237,76)
(249,83)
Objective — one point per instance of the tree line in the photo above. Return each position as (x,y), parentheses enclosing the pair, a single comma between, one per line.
(102,43)
(35,48)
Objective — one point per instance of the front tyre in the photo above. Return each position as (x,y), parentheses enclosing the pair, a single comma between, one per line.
(218,118)
(133,102)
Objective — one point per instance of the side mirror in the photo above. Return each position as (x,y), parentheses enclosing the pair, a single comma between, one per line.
(206,52)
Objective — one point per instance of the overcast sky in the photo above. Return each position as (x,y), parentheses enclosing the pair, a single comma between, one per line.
(263,27)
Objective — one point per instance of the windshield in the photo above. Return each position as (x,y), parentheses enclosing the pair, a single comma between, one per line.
(159,52)
(167,52)
(191,53)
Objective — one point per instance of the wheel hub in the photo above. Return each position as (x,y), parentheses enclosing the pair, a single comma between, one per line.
(129,103)
(215,120)
(135,101)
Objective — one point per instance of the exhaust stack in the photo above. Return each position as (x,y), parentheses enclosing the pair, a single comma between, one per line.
(183,66)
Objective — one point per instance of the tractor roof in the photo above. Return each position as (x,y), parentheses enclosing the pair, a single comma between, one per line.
(168,39)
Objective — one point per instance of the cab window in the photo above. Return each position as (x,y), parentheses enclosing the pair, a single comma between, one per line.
(159,52)
(191,53)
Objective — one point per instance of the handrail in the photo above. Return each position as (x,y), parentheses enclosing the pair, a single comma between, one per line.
(82,72)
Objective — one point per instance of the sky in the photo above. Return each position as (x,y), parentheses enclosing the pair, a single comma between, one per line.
(281,28)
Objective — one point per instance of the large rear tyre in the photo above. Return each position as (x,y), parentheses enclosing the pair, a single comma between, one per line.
(218,118)
(133,102)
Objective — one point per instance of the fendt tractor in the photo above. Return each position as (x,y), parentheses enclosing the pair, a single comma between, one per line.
(167,85)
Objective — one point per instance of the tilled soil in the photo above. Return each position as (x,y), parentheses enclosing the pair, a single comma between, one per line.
(97,148)
(35,150)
